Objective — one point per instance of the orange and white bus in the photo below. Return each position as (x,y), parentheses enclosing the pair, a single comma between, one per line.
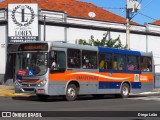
(54,68)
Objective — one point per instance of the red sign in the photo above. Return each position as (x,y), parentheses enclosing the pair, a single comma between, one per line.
(22,72)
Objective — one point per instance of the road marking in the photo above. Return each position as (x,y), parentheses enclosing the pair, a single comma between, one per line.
(154,98)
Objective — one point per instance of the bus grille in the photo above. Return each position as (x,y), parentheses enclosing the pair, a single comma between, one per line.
(29,89)
(29,85)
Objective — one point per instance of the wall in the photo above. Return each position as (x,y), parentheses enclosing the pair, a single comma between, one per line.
(139,42)
(3,52)
(53,33)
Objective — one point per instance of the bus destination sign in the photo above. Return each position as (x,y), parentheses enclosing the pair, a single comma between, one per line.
(33,47)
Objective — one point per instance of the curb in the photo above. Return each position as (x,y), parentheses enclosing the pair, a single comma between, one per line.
(156,90)
(8,91)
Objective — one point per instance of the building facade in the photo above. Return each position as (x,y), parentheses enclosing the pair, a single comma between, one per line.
(66,21)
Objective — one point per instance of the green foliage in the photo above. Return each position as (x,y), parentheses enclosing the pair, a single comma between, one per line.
(111,43)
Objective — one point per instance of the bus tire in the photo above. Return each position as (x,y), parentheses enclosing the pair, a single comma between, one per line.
(125,89)
(42,97)
(71,92)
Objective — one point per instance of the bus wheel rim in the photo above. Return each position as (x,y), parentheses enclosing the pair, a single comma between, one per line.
(71,92)
(125,91)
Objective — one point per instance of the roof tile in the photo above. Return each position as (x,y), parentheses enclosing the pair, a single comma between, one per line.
(157,22)
(74,8)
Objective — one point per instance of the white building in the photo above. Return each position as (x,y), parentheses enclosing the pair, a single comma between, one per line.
(69,20)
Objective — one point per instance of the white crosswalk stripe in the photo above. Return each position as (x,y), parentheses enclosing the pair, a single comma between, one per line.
(154,98)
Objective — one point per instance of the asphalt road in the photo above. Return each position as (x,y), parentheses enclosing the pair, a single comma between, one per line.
(107,105)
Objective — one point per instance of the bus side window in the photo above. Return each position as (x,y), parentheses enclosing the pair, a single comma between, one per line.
(132,62)
(57,60)
(108,61)
(73,58)
(102,64)
(105,61)
(118,62)
(52,63)
(89,59)
(146,64)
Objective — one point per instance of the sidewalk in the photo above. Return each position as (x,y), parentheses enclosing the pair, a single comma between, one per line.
(153,92)
(9,92)
(156,90)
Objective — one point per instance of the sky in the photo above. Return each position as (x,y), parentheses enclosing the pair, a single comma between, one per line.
(149,12)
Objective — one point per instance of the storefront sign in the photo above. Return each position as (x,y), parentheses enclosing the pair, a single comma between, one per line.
(22,22)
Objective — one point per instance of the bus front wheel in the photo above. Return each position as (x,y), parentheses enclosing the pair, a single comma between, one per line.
(125,90)
(71,92)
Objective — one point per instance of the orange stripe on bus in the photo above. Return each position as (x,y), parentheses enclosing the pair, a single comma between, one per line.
(100,76)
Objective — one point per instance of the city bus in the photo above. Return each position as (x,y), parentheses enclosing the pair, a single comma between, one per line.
(68,70)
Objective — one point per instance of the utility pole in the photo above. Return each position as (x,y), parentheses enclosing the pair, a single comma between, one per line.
(131,7)
(65,28)
(44,37)
(147,30)
(127,28)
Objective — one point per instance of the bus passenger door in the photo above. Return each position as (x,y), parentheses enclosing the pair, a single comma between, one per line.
(57,68)
(57,61)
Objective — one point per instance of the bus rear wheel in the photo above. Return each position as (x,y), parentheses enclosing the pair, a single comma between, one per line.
(71,92)
(125,89)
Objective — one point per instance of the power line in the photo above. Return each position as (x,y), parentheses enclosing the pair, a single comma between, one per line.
(139,4)
(146,16)
(147,4)
(142,8)
(136,13)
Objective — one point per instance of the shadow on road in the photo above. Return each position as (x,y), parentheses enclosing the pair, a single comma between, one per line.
(61,98)
(134,96)
(79,98)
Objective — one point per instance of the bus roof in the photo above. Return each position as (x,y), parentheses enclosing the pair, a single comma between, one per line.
(101,49)
(120,51)
(14,48)
(74,46)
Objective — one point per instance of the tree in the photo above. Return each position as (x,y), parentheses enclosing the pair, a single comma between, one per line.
(111,43)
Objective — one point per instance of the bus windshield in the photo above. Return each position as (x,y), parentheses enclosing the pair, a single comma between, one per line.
(31,63)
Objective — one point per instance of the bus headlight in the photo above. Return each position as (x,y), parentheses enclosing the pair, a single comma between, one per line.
(42,83)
